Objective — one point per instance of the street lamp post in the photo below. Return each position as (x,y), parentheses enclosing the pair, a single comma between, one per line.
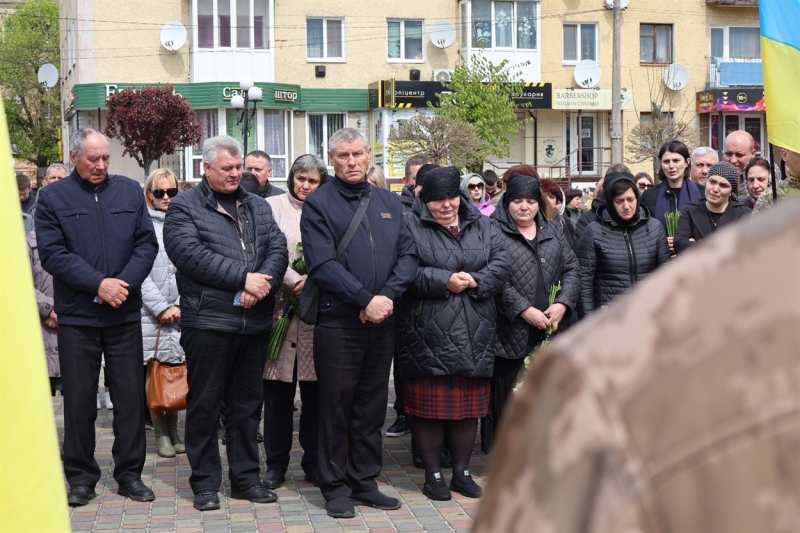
(249,93)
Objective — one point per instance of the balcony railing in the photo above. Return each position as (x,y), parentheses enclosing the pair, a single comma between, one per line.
(739,3)
(734,72)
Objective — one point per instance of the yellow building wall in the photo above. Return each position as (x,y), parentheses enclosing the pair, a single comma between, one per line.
(365,30)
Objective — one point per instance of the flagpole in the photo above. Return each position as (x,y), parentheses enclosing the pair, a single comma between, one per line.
(772,172)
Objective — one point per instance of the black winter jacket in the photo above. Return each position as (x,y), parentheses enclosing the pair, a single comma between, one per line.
(588,216)
(613,259)
(86,234)
(441,333)
(696,224)
(380,260)
(407,197)
(519,293)
(213,255)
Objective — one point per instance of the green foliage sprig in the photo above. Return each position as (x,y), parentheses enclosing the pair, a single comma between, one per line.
(672,223)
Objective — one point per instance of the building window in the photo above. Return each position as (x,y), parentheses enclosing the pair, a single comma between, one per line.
(404,40)
(736,42)
(216,27)
(655,43)
(209,127)
(580,42)
(325,38)
(498,24)
(320,129)
(275,140)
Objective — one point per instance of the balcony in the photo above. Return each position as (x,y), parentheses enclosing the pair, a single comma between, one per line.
(735,3)
(734,72)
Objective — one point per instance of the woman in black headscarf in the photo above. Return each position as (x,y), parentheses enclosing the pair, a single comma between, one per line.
(446,327)
(622,247)
(541,258)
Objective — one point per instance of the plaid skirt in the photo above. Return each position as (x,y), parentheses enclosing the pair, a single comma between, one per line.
(446,397)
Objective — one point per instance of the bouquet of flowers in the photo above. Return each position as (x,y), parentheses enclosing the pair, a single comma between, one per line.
(281,327)
(551,299)
(672,223)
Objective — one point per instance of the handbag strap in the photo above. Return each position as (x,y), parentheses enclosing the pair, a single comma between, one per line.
(158,337)
(351,230)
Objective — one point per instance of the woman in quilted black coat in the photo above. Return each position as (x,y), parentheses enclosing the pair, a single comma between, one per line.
(622,247)
(541,257)
(446,327)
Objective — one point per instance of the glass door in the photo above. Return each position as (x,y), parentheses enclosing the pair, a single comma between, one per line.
(583,143)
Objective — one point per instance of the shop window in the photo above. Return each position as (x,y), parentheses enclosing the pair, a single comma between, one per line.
(325,39)
(275,140)
(320,129)
(655,43)
(497,24)
(209,127)
(404,40)
(580,42)
(240,23)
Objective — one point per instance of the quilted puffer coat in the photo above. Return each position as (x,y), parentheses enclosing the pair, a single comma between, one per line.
(441,333)
(160,292)
(213,254)
(558,265)
(613,258)
(299,342)
(43,286)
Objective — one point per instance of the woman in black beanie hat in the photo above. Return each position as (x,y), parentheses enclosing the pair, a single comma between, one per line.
(446,327)
(541,258)
(619,249)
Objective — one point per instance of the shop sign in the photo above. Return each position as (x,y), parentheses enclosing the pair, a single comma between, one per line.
(422,94)
(284,95)
(535,96)
(736,100)
(589,99)
(550,151)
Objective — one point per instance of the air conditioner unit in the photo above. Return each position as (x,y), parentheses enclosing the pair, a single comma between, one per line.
(442,75)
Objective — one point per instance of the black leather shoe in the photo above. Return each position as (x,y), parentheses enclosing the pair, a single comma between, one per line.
(376,499)
(399,428)
(136,491)
(312,475)
(274,479)
(206,500)
(80,495)
(340,507)
(256,494)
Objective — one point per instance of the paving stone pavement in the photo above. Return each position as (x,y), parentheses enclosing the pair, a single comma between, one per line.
(300,507)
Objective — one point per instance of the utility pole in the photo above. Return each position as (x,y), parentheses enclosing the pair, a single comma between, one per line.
(616,88)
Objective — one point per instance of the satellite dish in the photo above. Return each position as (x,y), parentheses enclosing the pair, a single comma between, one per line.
(48,75)
(442,33)
(587,74)
(173,35)
(676,77)
(622,4)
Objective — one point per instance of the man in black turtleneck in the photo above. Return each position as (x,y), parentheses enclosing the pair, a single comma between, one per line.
(231,257)
(354,334)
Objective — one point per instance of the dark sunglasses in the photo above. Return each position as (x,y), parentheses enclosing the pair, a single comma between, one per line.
(644,186)
(475,186)
(159,193)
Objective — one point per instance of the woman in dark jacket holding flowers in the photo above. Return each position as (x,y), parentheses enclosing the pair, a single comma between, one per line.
(541,261)
(294,360)
(446,327)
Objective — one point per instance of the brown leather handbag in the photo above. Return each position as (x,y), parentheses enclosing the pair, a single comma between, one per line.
(167,385)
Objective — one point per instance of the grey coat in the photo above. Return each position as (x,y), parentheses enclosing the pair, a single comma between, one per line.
(43,285)
(159,292)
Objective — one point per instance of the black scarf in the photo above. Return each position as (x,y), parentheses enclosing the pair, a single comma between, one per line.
(612,210)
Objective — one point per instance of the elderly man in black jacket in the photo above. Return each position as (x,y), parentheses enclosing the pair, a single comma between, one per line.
(231,257)
(354,335)
(97,241)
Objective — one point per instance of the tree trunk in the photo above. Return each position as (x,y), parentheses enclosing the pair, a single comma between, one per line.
(147,164)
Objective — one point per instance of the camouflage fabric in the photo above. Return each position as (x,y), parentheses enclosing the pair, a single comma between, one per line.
(678,411)
(786,188)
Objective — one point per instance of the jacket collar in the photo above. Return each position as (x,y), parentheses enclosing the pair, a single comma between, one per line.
(544,227)
(208,195)
(85,185)
(606,219)
(347,192)
(467,212)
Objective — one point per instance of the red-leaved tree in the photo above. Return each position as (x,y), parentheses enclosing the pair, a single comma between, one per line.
(150,122)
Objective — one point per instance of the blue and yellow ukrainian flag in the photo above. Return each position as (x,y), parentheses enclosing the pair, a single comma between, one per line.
(780,52)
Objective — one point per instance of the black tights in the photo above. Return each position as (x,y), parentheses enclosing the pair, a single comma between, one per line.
(428,436)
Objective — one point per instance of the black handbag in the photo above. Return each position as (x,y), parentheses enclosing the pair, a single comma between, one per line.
(308,305)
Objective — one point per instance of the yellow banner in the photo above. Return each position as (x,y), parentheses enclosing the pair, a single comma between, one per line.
(32,490)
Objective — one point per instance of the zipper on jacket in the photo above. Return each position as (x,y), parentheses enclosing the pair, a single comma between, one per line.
(244,256)
(374,259)
(102,233)
(631,257)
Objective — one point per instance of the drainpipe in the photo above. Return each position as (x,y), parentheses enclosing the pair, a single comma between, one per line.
(99,124)
(535,138)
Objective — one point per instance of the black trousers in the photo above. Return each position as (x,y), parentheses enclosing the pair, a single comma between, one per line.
(504,379)
(353,370)
(399,404)
(279,422)
(80,352)
(223,365)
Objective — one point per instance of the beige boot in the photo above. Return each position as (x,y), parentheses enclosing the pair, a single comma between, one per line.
(163,443)
(174,437)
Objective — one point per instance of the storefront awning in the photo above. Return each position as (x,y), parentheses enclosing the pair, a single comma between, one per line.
(736,100)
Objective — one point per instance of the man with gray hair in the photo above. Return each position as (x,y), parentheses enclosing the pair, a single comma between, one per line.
(703,159)
(231,257)
(354,333)
(96,239)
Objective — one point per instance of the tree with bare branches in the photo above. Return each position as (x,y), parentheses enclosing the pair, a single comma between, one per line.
(443,139)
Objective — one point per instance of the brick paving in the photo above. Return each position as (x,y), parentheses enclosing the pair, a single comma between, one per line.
(300,507)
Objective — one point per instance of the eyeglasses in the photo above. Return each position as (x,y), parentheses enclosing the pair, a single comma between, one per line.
(159,193)
(644,186)
(474,186)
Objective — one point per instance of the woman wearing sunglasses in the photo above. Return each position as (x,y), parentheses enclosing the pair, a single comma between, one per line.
(474,186)
(161,314)
(643,181)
